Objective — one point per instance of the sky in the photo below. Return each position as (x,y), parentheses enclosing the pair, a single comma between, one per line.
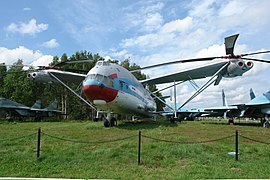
(146,32)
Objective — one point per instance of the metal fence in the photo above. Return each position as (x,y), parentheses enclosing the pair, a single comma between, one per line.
(140,136)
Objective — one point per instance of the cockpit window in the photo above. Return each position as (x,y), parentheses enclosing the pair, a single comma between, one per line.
(101,78)
(103,63)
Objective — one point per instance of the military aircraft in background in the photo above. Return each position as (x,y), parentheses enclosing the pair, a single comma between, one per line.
(257,107)
(14,109)
(191,114)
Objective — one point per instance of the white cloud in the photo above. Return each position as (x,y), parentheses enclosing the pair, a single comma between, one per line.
(43,60)
(145,18)
(153,22)
(179,25)
(30,28)
(27,9)
(148,41)
(29,57)
(50,44)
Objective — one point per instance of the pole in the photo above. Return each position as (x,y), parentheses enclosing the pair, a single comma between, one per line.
(236,145)
(174,94)
(38,143)
(139,148)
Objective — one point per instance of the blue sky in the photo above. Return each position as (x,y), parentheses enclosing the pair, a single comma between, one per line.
(147,32)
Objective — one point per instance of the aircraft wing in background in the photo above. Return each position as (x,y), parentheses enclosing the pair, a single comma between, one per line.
(8,104)
(190,74)
(47,76)
(258,107)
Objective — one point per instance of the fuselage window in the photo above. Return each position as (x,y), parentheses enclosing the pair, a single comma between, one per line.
(110,82)
(121,84)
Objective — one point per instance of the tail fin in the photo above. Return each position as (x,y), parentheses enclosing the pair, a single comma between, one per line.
(53,106)
(251,94)
(37,105)
(224,100)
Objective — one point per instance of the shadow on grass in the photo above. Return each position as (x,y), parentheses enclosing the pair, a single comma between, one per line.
(145,124)
(257,124)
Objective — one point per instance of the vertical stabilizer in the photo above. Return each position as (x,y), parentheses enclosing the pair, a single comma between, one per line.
(53,106)
(224,100)
(229,44)
(251,94)
(37,105)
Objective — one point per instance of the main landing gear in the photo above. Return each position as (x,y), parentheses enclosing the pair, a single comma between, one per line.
(265,122)
(110,121)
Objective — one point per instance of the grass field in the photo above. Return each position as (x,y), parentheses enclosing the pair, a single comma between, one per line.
(119,159)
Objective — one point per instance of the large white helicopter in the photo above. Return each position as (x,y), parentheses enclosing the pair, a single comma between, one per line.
(110,88)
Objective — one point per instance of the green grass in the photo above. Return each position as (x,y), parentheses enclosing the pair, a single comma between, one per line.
(118,160)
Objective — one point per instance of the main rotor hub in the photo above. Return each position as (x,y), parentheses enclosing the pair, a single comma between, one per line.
(232,56)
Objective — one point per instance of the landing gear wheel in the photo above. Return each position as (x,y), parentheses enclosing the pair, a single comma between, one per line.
(96,119)
(107,123)
(231,122)
(113,122)
(172,120)
(266,124)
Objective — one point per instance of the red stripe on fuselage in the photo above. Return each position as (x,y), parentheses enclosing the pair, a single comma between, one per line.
(113,76)
(95,92)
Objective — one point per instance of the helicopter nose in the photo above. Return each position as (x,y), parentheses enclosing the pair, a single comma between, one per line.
(99,91)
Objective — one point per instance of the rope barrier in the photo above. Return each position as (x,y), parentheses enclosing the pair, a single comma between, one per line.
(254,140)
(21,137)
(88,142)
(187,142)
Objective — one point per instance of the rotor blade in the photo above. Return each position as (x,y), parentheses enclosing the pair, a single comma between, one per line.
(261,52)
(73,61)
(229,44)
(178,61)
(20,65)
(76,70)
(259,60)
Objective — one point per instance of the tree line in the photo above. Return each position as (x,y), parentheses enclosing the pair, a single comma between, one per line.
(15,85)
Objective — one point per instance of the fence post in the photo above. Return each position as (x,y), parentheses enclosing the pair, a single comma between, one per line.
(236,145)
(38,143)
(139,148)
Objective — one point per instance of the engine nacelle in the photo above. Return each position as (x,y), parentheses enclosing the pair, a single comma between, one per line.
(41,76)
(238,68)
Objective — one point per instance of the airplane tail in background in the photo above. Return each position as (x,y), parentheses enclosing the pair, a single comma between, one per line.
(251,94)
(37,105)
(53,106)
(224,100)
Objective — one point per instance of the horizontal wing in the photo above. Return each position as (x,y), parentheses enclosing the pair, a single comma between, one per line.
(220,109)
(194,73)
(8,104)
(69,76)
